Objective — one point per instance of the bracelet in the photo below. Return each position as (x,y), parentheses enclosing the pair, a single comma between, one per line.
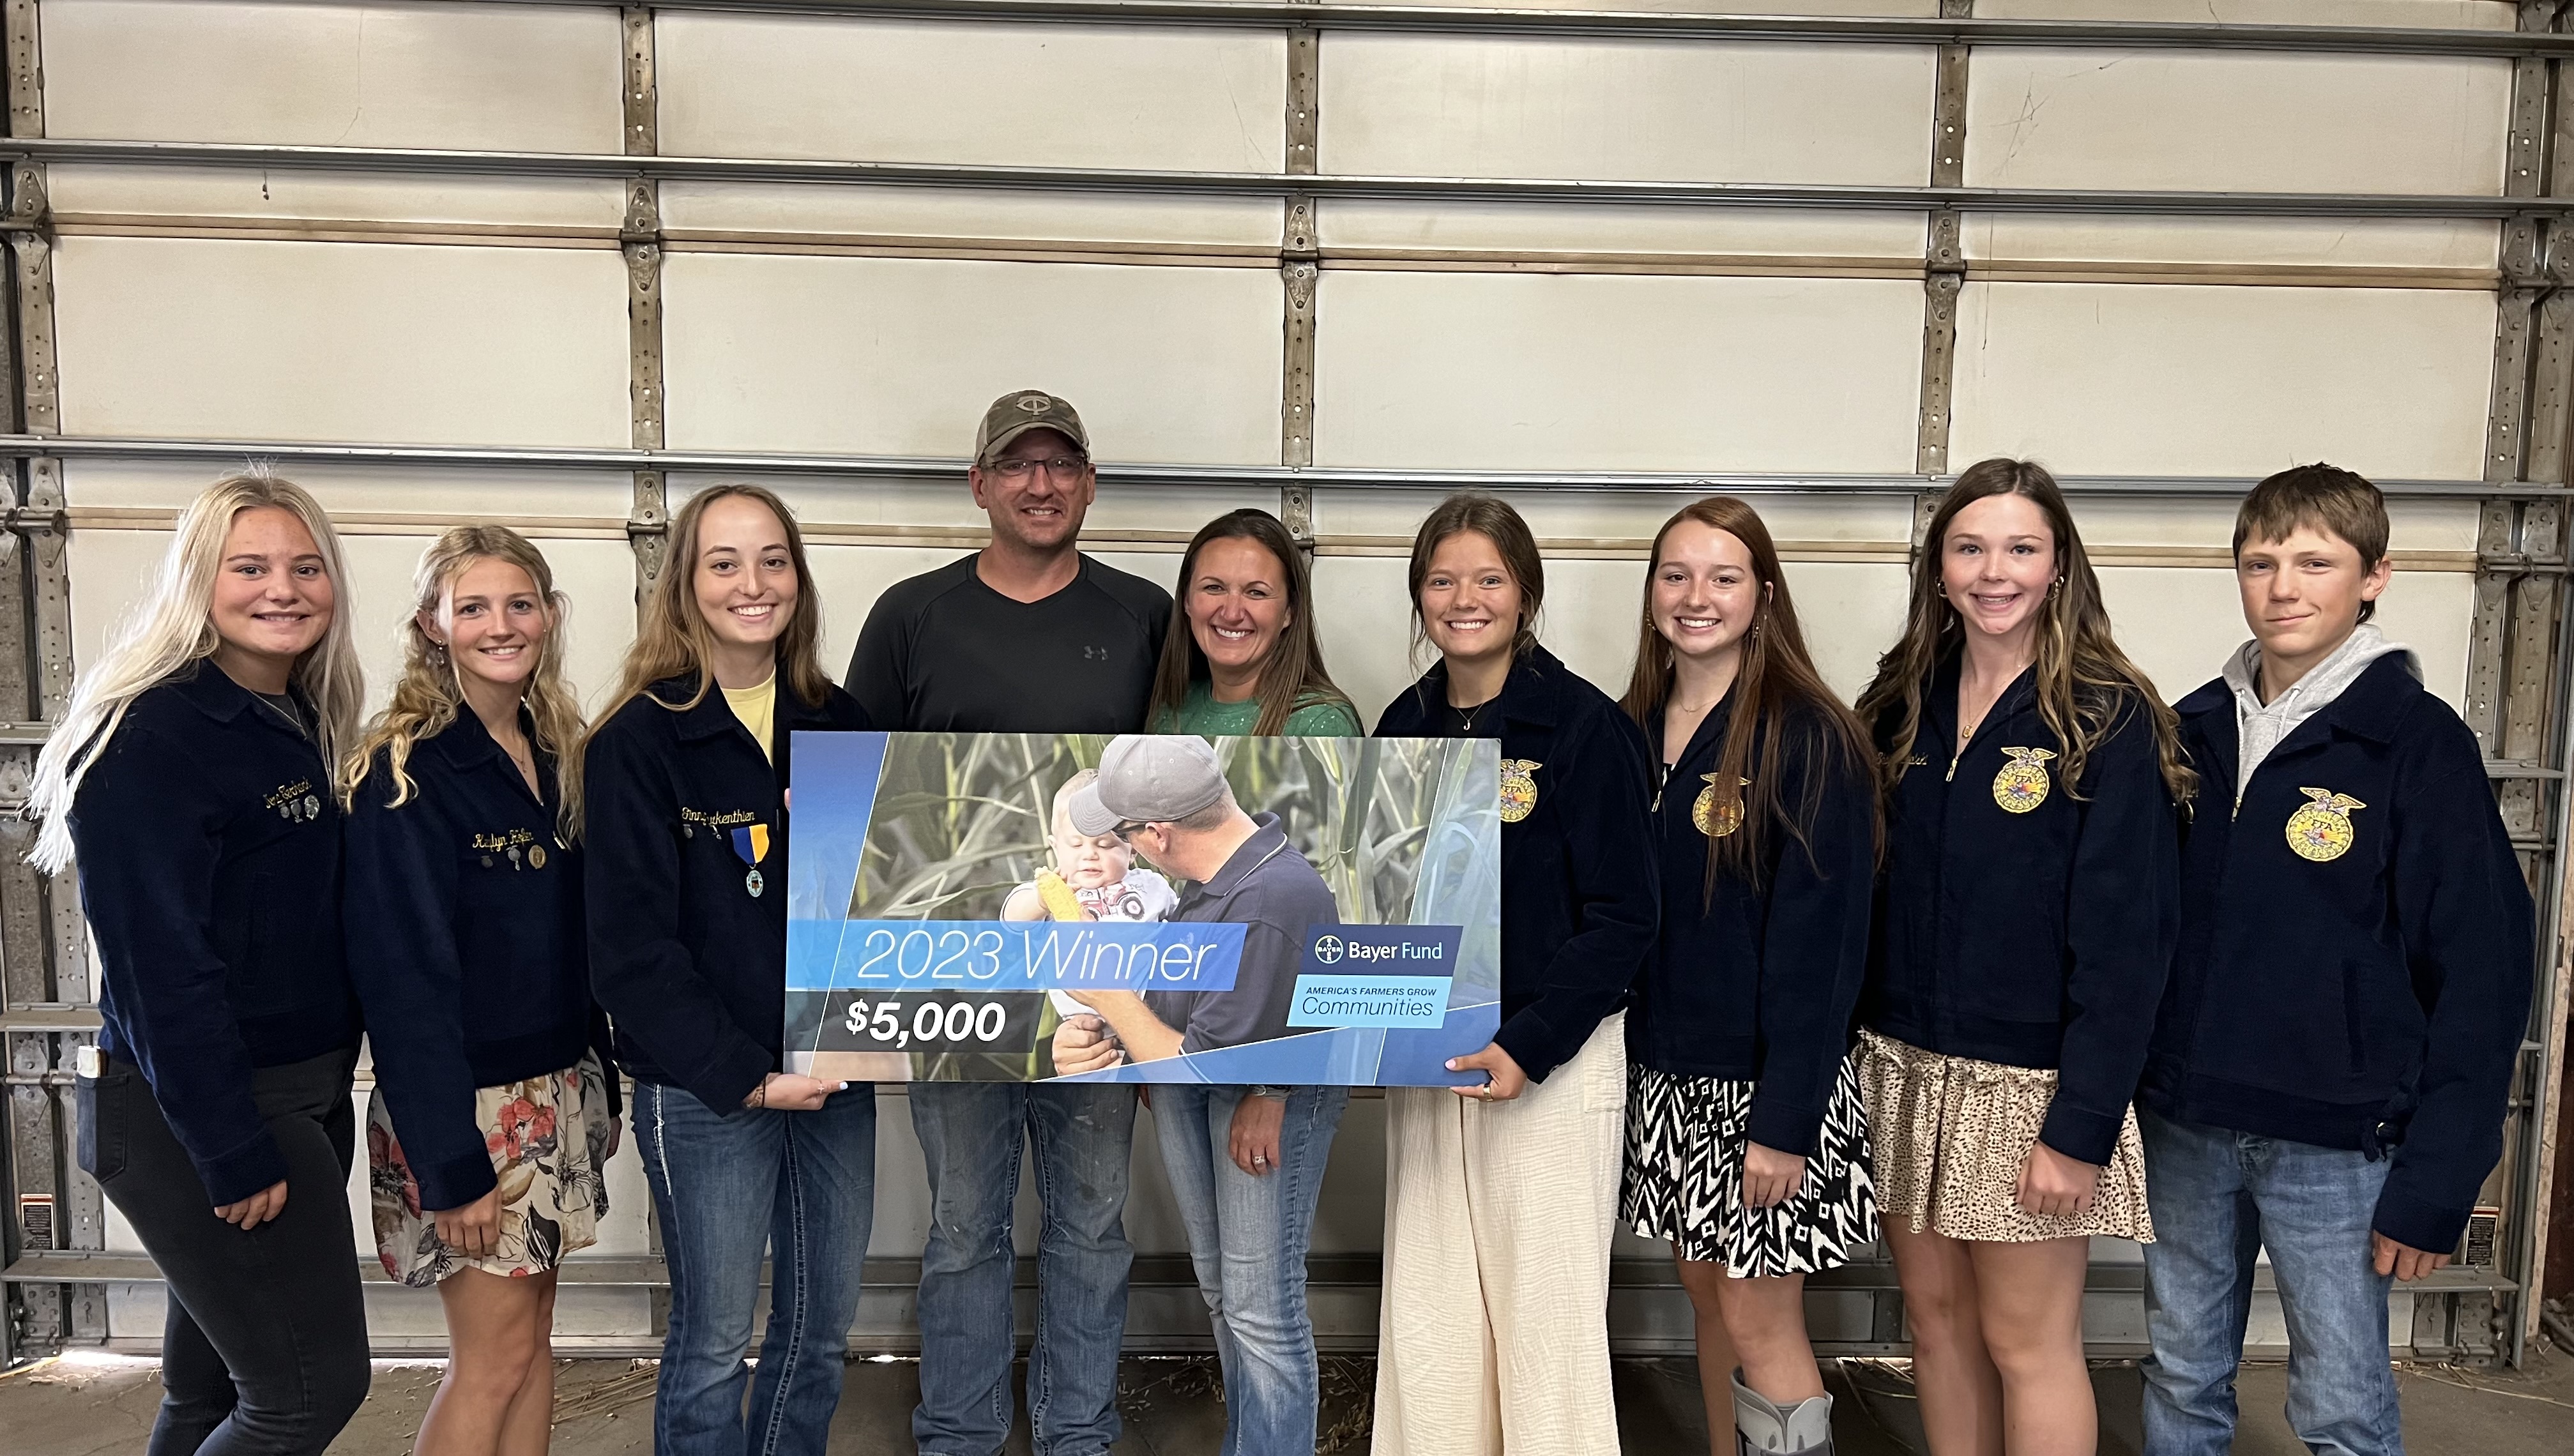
(759,1094)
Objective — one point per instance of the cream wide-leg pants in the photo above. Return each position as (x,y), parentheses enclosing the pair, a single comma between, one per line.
(1494,1335)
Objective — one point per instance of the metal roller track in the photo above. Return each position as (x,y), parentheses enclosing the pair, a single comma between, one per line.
(404,160)
(1647,25)
(931,467)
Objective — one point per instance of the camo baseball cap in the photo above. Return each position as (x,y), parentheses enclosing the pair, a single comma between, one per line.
(1021,411)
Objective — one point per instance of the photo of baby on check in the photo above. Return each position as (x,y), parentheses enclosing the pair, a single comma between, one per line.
(1154,908)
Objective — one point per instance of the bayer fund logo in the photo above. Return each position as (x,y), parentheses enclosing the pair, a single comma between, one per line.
(1327,949)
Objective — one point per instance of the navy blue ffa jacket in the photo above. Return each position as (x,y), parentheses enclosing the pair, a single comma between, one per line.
(1754,981)
(467,946)
(2355,954)
(1579,895)
(687,949)
(2018,923)
(209,853)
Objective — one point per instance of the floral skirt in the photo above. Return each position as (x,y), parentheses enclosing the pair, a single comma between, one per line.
(1683,1179)
(549,1138)
(1952,1133)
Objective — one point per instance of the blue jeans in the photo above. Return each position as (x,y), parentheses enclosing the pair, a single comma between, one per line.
(2219,1197)
(971,1135)
(798,1184)
(1247,1240)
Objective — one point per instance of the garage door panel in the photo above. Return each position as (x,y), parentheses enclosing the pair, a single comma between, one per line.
(1208,100)
(2112,379)
(2458,245)
(900,356)
(1477,371)
(699,210)
(1484,106)
(1385,226)
(322,341)
(87,194)
(479,77)
(2236,122)
(2427,14)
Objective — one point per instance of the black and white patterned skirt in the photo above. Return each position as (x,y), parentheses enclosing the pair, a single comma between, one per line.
(1683,1179)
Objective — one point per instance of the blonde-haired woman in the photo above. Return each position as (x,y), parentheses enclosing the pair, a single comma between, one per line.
(495,1104)
(685,809)
(190,781)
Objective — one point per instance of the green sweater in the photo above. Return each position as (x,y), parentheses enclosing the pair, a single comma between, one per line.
(1203,716)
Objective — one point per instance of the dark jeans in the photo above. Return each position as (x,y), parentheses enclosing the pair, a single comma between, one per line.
(265,1352)
(799,1185)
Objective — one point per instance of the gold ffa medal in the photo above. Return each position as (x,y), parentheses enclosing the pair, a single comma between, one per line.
(2323,830)
(536,857)
(1519,788)
(1715,819)
(2021,786)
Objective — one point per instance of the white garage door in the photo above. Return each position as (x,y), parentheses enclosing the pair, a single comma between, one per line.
(559,264)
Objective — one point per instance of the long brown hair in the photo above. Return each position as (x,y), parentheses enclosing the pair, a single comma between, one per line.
(1293,676)
(427,692)
(1775,690)
(2084,680)
(672,639)
(1492,517)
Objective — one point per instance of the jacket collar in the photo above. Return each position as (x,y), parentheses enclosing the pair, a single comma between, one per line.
(1938,724)
(1704,740)
(1532,696)
(2374,706)
(712,717)
(211,690)
(466,746)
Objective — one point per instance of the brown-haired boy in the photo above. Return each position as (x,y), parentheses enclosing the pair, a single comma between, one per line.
(2327,1076)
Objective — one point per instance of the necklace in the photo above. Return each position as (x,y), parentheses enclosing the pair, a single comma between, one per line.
(1466,715)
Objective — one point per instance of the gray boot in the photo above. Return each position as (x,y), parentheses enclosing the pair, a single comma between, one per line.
(1761,1427)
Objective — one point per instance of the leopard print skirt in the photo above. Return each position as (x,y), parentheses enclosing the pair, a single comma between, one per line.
(1951,1134)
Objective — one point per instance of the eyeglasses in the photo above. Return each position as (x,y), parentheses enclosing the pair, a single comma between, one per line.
(1063,469)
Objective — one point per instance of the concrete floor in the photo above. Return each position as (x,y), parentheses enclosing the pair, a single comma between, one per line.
(95,1405)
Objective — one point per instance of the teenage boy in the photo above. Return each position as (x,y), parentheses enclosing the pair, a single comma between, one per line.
(2327,1076)
(1025,636)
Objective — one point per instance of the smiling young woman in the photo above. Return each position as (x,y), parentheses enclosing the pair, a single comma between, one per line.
(191,779)
(1747,1148)
(1501,1197)
(467,945)
(2026,924)
(685,823)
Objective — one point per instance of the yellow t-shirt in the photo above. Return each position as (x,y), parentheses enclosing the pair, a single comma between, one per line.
(758,709)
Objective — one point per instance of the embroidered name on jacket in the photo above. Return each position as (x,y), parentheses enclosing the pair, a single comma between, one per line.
(519,844)
(296,800)
(715,821)
(2323,830)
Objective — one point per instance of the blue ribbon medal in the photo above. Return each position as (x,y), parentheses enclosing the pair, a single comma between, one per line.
(750,841)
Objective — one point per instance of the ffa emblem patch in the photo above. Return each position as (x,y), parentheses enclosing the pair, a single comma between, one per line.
(1519,788)
(2323,829)
(1715,819)
(2021,786)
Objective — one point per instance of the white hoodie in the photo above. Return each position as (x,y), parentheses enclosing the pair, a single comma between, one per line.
(2260,727)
